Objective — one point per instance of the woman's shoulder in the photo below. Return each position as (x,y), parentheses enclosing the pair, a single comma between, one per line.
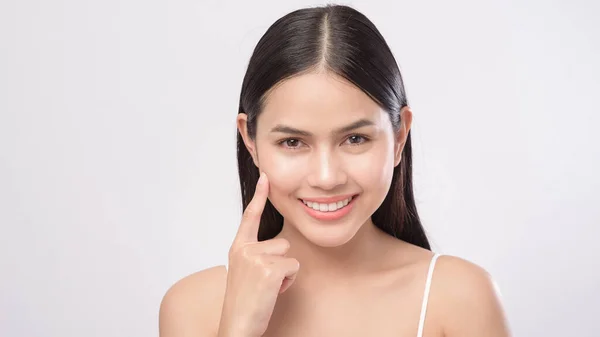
(463,298)
(464,280)
(452,271)
(192,306)
(466,298)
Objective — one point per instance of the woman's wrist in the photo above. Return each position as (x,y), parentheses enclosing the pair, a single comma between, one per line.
(232,330)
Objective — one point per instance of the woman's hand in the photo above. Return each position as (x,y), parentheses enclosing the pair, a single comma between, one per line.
(258,273)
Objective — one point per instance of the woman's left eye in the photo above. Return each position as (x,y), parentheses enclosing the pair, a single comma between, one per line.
(356,139)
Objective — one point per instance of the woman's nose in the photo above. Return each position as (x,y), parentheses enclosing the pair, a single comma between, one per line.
(327,172)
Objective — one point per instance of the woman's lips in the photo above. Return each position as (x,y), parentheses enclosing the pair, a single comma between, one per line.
(341,209)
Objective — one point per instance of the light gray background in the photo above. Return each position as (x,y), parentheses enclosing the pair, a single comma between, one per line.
(117,151)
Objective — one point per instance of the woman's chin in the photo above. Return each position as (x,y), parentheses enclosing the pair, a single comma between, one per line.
(326,233)
(328,237)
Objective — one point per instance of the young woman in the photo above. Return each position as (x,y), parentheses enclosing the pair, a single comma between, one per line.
(330,243)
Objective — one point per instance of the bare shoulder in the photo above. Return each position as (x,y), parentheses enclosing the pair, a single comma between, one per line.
(192,306)
(466,299)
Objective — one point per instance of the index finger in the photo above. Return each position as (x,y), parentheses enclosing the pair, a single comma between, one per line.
(248,230)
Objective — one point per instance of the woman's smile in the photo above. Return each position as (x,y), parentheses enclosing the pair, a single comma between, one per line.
(328,209)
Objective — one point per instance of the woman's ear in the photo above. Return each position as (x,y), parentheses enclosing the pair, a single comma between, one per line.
(402,133)
(242,125)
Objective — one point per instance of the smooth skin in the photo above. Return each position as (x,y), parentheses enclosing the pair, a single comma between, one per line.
(341,278)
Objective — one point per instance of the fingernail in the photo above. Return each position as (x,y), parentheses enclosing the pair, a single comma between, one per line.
(261,179)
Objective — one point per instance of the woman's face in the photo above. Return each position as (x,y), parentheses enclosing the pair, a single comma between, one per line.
(329,152)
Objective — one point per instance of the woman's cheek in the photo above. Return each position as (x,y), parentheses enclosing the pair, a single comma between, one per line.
(282,170)
(375,165)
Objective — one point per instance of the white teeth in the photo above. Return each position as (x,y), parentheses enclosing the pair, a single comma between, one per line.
(334,206)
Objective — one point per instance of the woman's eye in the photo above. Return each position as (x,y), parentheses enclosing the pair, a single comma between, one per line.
(356,139)
(291,143)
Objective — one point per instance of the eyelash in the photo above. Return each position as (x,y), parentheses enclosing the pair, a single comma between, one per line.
(364,140)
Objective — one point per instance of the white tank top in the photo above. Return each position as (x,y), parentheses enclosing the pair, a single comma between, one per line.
(425,294)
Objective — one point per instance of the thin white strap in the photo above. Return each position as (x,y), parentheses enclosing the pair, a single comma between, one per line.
(426,295)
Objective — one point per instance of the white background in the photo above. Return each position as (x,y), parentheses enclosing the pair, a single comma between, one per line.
(117,151)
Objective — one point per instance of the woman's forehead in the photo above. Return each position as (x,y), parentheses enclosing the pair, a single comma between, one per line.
(317,98)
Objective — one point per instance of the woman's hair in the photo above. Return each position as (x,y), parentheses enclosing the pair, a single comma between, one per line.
(342,41)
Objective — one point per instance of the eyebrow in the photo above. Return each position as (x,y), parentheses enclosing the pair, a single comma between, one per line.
(355,125)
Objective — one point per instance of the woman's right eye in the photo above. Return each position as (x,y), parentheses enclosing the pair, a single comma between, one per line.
(291,143)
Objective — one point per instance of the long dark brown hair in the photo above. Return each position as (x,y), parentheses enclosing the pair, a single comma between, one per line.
(342,41)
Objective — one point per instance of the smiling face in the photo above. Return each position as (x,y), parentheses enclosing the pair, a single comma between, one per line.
(329,152)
